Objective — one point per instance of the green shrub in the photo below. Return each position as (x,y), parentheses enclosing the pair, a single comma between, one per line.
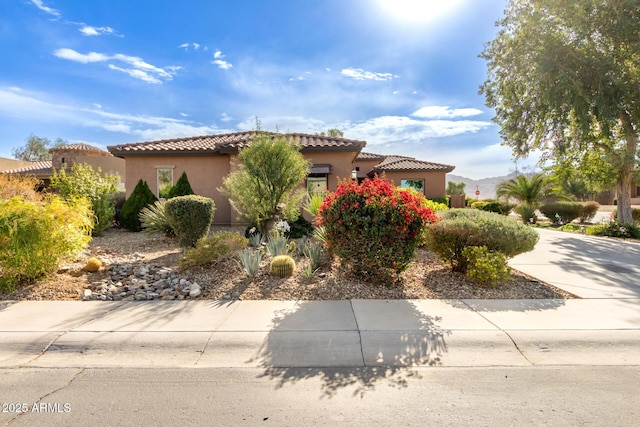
(118,198)
(314,201)
(485,267)
(562,212)
(374,226)
(140,197)
(190,217)
(527,213)
(154,219)
(182,187)
(212,248)
(460,228)
(589,210)
(300,227)
(440,200)
(496,206)
(83,181)
(635,213)
(615,229)
(35,237)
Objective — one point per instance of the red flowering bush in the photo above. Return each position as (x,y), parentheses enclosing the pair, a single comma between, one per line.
(374,226)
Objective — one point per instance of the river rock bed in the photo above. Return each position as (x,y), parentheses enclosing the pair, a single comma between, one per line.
(141,281)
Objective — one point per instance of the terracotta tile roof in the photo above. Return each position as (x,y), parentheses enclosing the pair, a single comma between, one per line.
(77,147)
(370,156)
(403,163)
(230,143)
(35,168)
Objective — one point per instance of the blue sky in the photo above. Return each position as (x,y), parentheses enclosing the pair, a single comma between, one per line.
(402,75)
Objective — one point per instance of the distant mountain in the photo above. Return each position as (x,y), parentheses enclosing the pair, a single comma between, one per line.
(487,186)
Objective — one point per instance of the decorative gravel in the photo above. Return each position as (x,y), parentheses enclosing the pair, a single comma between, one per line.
(125,255)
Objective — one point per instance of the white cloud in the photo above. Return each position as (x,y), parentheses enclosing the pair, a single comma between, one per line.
(34,108)
(88,30)
(137,74)
(225,117)
(390,129)
(443,112)
(222,64)
(195,46)
(40,5)
(140,69)
(360,74)
(184,114)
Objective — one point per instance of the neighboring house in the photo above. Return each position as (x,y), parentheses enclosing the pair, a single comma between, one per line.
(9,164)
(208,159)
(64,156)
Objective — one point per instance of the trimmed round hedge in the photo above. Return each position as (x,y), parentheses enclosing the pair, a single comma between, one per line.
(190,217)
(461,228)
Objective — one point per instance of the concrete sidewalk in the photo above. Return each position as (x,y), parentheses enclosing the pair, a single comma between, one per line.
(603,328)
(286,334)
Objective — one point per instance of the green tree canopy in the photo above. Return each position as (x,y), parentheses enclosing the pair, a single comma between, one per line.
(563,77)
(331,133)
(531,191)
(36,149)
(455,188)
(267,183)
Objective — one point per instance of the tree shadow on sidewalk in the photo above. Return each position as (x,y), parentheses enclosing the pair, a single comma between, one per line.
(358,359)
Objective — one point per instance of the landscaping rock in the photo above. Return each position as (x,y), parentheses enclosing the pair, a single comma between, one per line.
(140,281)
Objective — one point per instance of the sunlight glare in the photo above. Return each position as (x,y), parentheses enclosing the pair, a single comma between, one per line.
(419,10)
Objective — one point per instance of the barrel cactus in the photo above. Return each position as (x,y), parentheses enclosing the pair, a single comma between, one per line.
(282,266)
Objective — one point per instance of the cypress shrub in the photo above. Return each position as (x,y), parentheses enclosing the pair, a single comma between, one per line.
(190,217)
(139,198)
(182,187)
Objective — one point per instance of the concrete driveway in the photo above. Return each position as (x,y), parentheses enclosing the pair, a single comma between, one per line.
(587,266)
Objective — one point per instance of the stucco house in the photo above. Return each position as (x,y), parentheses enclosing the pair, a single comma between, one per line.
(208,159)
(64,156)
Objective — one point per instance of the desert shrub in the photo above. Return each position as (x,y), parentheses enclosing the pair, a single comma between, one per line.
(589,210)
(527,213)
(635,214)
(213,248)
(154,219)
(182,187)
(431,204)
(19,185)
(140,197)
(460,228)
(496,206)
(440,200)
(562,212)
(300,227)
(118,198)
(485,267)
(373,226)
(190,217)
(83,181)
(314,201)
(35,237)
(266,185)
(615,229)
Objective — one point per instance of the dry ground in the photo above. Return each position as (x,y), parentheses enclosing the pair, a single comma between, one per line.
(426,278)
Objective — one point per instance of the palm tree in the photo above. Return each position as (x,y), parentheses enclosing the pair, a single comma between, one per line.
(531,191)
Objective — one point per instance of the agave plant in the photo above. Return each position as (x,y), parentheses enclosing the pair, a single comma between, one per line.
(250,260)
(277,244)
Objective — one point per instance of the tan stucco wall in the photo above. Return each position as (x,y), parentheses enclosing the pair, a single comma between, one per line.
(112,165)
(365,166)
(9,164)
(341,165)
(205,175)
(434,182)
